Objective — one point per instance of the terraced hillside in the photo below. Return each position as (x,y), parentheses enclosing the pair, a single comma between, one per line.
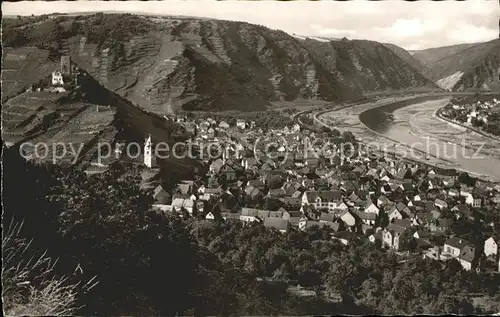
(59,123)
(165,63)
(22,67)
(367,65)
(464,67)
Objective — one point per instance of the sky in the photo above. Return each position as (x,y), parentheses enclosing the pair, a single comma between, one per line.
(411,25)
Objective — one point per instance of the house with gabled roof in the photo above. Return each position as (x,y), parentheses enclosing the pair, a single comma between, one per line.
(230,216)
(454,245)
(474,199)
(327,217)
(403,208)
(492,245)
(249,215)
(161,196)
(276,193)
(441,204)
(293,217)
(210,216)
(322,199)
(292,203)
(276,223)
(462,250)
(440,225)
(421,234)
(467,258)
(386,189)
(253,193)
(394,213)
(370,207)
(391,236)
(376,236)
(345,237)
(277,214)
(404,173)
(383,201)
(211,193)
(424,218)
(305,224)
(358,196)
(347,218)
(367,218)
(463,211)
(405,223)
(216,166)
(178,204)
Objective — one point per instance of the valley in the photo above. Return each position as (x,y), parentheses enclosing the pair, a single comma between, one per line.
(168,65)
(189,166)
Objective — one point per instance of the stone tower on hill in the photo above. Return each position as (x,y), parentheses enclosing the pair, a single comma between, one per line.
(65,64)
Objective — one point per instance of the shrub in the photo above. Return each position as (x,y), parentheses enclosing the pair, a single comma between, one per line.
(30,285)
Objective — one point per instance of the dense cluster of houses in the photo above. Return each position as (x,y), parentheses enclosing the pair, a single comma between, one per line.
(386,200)
(482,113)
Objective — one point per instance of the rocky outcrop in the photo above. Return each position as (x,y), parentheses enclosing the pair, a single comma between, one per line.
(464,67)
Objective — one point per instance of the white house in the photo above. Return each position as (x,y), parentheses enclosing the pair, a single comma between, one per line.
(372,208)
(461,249)
(473,200)
(330,199)
(391,235)
(394,213)
(491,246)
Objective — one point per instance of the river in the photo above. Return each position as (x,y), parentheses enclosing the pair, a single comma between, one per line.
(417,127)
(408,126)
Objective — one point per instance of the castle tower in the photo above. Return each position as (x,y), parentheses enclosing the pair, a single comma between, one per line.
(149,158)
(66,64)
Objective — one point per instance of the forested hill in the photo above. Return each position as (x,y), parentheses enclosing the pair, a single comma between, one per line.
(211,64)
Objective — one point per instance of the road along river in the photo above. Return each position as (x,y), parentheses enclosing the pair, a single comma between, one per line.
(409,127)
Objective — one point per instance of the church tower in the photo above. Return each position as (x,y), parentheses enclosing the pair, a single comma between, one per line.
(149,157)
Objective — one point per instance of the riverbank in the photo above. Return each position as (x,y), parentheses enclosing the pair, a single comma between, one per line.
(441,165)
(349,119)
